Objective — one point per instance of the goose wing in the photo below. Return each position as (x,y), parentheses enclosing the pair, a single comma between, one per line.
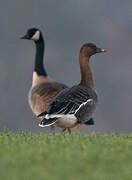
(69,100)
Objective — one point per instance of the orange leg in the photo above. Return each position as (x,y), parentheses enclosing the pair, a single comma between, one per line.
(78,128)
(69,130)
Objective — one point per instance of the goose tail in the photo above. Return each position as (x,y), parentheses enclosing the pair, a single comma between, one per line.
(90,122)
(45,123)
(42,114)
(49,120)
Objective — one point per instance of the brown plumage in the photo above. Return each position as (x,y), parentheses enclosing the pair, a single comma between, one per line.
(77,104)
(43,89)
(41,95)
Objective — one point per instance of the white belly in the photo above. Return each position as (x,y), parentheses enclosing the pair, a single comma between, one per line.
(67,121)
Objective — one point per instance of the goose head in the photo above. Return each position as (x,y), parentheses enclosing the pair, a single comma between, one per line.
(89,49)
(33,34)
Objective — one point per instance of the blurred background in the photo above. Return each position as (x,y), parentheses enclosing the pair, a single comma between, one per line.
(66,25)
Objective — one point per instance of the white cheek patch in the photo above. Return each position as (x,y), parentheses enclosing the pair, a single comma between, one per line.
(36,36)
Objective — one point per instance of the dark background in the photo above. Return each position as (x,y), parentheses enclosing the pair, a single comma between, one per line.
(66,25)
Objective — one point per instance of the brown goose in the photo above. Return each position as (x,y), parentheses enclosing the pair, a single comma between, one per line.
(43,88)
(77,104)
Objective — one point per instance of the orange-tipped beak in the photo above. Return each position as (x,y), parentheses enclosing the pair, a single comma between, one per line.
(99,50)
(102,50)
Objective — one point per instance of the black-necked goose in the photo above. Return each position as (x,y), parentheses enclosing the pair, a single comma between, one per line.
(43,89)
(77,104)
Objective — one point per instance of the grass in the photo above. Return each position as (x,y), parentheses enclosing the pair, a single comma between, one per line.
(25,156)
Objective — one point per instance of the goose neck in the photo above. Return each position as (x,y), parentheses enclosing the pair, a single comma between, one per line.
(86,73)
(39,68)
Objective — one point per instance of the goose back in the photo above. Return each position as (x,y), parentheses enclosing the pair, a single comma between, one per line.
(69,100)
(41,95)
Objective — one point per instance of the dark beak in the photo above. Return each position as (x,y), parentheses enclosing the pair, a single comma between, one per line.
(99,50)
(25,37)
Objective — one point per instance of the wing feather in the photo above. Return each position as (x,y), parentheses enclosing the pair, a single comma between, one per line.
(69,100)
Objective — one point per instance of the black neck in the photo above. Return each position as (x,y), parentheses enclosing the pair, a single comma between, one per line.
(39,68)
